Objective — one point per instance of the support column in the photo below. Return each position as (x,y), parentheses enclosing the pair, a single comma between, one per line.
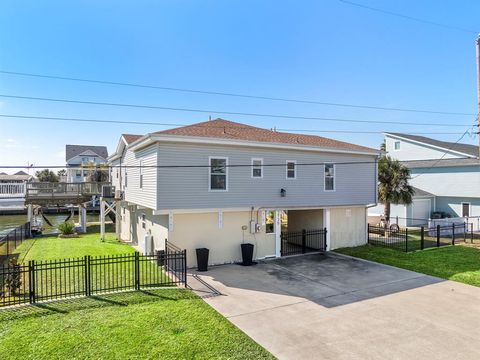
(83,219)
(118,220)
(278,233)
(30,218)
(102,219)
(326,225)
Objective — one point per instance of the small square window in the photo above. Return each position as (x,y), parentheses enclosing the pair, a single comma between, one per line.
(257,168)
(397,145)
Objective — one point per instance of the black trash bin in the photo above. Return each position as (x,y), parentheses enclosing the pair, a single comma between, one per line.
(247,254)
(202,259)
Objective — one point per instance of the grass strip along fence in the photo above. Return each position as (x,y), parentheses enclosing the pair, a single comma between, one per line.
(46,280)
(12,239)
(404,239)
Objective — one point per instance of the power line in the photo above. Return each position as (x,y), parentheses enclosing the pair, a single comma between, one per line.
(193,125)
(276,116)
(408,17)
(444,154)
(107,167)
(220,93)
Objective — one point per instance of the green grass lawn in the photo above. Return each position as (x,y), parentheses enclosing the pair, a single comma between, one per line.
(459,263)
(164,324)
(51,248)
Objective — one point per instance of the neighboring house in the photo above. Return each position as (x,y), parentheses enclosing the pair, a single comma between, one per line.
(83,155)
(446,176)
(182,185)
(12,190)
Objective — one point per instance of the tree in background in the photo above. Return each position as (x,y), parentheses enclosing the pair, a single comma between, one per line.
(394,188)
(46,176)
(62,172)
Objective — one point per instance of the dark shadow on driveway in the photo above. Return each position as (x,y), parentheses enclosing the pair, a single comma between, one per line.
(327,279)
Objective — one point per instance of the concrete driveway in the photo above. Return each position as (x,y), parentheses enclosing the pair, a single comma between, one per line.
(336,307)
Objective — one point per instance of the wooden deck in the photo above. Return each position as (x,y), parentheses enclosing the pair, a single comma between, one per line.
(46,193)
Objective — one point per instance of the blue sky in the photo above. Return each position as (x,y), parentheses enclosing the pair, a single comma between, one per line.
(321,50)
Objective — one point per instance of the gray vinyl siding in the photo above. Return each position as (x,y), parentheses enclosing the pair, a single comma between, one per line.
(410,150)
(130,177)
(187,188)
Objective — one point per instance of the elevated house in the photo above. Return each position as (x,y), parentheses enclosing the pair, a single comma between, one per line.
(83,156)
(218,184)
(445,175)
(12,190)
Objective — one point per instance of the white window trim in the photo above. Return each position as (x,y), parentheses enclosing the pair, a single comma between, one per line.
(261,168)
(286,169)
(469,208)
(399,145)
(209,173)
(334,178)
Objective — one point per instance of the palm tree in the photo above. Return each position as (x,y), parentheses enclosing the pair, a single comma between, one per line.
(394,187)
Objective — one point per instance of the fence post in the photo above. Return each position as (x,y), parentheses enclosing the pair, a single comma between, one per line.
(368,233)
(86,269)
(304,240)
(406,239)
(185,266)
(422,238)
(137,270)
(438,235)
(31,281)
(453,234)
(15,238)
(471,233)
(324,239)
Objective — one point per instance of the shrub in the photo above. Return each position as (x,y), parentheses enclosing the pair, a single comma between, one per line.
(13,280)
(67,228)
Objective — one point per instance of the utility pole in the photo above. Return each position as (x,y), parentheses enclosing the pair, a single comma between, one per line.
(478,91)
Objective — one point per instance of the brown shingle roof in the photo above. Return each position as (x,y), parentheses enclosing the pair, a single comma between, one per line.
(225,129)
(129,138)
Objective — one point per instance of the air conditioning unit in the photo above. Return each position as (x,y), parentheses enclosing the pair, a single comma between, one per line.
(108,191)
(119,194)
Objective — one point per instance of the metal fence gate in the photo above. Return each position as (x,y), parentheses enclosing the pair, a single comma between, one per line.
(302,242)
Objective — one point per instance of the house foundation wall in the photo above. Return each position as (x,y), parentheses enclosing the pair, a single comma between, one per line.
(348,227)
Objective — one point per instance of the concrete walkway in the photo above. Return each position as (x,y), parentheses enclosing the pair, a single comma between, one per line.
(336,307)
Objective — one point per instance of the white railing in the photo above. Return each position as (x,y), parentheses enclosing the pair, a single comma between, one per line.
(12,190)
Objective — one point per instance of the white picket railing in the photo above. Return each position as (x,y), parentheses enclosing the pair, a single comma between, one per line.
(12,190)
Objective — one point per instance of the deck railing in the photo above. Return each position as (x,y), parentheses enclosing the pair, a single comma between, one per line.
(12,190)
(59,189)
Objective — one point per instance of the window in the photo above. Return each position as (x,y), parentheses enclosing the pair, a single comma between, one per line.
(465,209)
(329,177)
(257,168)
(126,178)
(218,173)
(141,174)
(78,173)
(291,169)
(270,222)
(143,221)
(117,171)
(397,145)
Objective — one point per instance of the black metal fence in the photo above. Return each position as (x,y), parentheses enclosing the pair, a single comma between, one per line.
(47,280)
(12,239)
(405,239)
(301,242)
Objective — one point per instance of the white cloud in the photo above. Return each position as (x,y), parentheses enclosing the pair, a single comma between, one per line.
(10,140)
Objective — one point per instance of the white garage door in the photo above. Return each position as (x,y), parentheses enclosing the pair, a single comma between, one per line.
(421,211)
